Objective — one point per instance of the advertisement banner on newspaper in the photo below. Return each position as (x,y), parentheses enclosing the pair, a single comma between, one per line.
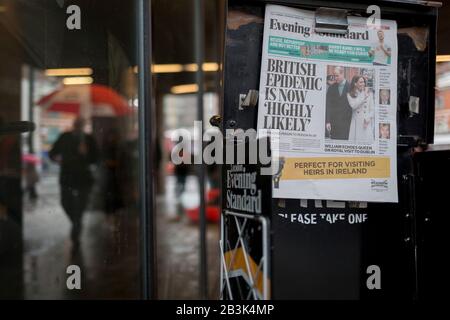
(331,98)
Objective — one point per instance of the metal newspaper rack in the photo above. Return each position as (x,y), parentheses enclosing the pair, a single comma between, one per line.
(265,255)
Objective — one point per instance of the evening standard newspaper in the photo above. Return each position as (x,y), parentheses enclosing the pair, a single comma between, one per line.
(331,99)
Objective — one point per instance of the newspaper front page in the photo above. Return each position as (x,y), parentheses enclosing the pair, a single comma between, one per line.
(331,98)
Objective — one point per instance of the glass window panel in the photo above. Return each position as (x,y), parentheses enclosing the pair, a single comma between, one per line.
(69,189)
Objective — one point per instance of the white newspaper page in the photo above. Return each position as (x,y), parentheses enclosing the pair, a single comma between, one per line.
(332,100)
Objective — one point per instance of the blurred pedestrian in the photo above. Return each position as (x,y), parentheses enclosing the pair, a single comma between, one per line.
(75,151)
(31,178)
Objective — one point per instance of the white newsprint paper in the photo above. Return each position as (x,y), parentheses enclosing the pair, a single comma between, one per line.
(332,99)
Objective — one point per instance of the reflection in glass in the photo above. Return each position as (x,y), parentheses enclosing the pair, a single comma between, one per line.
(69,189)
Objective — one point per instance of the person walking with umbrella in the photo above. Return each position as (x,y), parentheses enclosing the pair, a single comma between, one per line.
(75,151)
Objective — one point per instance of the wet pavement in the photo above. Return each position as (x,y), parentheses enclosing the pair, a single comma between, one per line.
(108,255)
(178,247)
(109,251)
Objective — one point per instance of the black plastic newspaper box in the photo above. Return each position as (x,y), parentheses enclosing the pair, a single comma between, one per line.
(266,252)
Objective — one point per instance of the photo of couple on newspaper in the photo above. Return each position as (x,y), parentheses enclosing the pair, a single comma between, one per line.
(350,104)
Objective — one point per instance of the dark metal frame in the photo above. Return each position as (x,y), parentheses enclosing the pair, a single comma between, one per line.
(390,8)
(199,31)
(357,4)
(146,153)
(405,213)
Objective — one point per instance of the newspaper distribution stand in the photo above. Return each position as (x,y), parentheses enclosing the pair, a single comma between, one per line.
(277,248)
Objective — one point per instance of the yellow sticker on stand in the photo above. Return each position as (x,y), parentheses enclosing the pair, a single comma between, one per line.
(336,168)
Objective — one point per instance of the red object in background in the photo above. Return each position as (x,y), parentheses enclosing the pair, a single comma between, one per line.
(95,100)
(212,214)
(212,211)
(212,194)
(31,158)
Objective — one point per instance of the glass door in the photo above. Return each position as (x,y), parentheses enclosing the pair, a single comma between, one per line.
(69,150)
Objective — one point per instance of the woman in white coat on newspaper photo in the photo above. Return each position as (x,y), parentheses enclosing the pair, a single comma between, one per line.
(360,99)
